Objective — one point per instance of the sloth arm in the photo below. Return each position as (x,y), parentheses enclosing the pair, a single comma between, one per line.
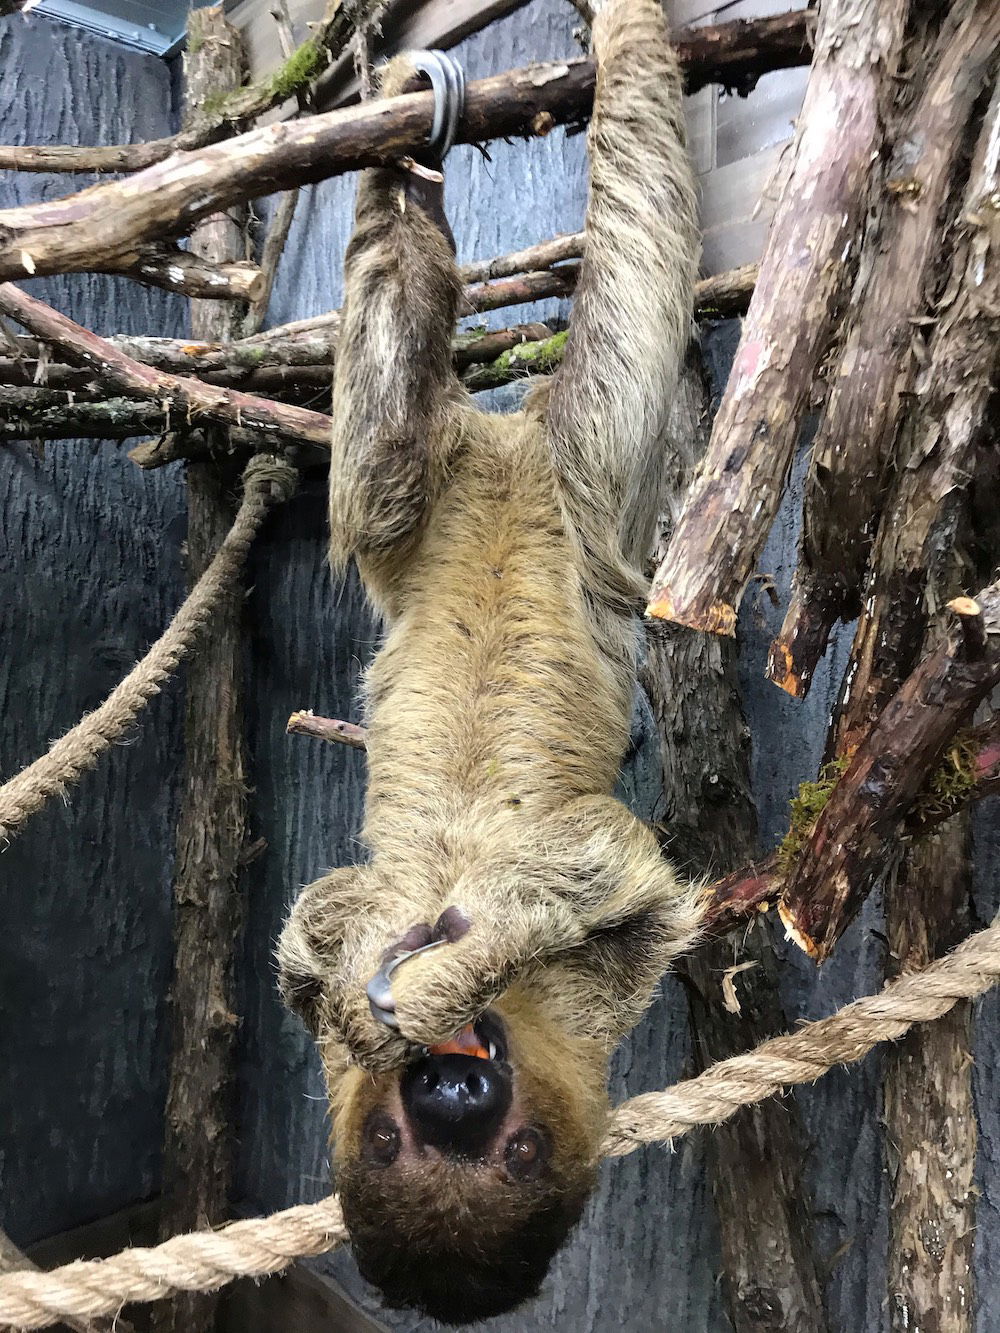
(591,892)
(632,316)
(393,381)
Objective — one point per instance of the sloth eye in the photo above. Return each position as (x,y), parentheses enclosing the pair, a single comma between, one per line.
(527,1154)
(380,1139)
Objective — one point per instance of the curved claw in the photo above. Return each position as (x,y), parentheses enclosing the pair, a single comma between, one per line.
(448,85)
(379,989)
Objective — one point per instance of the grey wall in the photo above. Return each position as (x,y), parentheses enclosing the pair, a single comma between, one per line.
(89,573)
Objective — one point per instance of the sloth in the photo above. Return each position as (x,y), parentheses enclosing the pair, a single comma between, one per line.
(467,983)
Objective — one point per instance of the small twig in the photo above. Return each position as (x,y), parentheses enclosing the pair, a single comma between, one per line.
(971,625)
(306,723)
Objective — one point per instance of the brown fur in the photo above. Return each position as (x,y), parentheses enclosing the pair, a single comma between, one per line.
(502,551)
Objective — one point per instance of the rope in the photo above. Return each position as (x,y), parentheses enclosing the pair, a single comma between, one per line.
(199,1261)
(204,1260)
(266,479)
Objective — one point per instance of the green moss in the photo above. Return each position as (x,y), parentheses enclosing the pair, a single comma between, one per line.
(950,783)
(806,809)
(252,356)
(542,355)
(305,63)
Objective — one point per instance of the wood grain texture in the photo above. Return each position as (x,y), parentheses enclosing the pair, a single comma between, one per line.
(200,1130)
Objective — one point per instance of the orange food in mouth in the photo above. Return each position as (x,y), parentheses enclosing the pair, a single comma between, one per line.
(464,1042)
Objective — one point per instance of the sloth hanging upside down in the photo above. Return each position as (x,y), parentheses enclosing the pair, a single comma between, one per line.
(467,984)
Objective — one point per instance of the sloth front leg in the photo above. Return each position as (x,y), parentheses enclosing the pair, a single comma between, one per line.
(590,892)
(393,379)
(334,939)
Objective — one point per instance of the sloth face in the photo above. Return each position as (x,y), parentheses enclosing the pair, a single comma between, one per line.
(462,1174)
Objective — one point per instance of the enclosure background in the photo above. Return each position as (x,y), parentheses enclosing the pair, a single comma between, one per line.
(90,571)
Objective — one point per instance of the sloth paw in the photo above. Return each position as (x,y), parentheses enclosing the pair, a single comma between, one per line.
(449,928)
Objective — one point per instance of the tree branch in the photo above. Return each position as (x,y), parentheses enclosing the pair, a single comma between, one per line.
(208,124)
(899,271)
(732,54)
(189,399)
(104,222)
(177,270)
(734,498)
(850,843)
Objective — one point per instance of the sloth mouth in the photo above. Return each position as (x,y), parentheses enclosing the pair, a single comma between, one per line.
(485,1039)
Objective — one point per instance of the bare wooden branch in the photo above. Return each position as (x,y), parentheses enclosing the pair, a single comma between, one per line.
(534,258)
(188,399)
(735,496)
(274,248)
(206,125)
(848,847)
(945,424)
(100,224)
(305,722)
(199,1140)
(182,271)
(558,282)
(732,54)
(899,270)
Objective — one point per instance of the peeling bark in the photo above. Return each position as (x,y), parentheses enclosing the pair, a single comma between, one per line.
(946,427)
(852,839)
(734,498)
(899,273)
(930,1120)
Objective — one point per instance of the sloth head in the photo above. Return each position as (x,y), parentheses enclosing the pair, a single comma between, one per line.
(462,1174)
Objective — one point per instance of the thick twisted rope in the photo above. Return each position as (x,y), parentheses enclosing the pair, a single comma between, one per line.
(204,1260)
(266,480)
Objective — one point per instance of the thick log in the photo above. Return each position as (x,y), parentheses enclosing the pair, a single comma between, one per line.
(710,824)
(199,1139)
(899,272)
(734,498)
(104,222)
(930,1119)
(946,424)
(850,844)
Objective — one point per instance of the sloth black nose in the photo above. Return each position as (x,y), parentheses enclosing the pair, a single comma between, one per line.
(456,1103)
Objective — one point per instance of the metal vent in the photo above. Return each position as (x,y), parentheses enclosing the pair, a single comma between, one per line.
(148,25)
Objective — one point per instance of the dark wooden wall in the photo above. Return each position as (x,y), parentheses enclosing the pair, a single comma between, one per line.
(89,573)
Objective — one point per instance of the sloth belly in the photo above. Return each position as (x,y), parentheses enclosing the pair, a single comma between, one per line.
(491,693)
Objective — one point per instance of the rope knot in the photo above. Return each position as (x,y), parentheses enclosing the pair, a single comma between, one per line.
(271,472)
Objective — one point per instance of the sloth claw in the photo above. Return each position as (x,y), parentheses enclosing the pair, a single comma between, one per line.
(379,989)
